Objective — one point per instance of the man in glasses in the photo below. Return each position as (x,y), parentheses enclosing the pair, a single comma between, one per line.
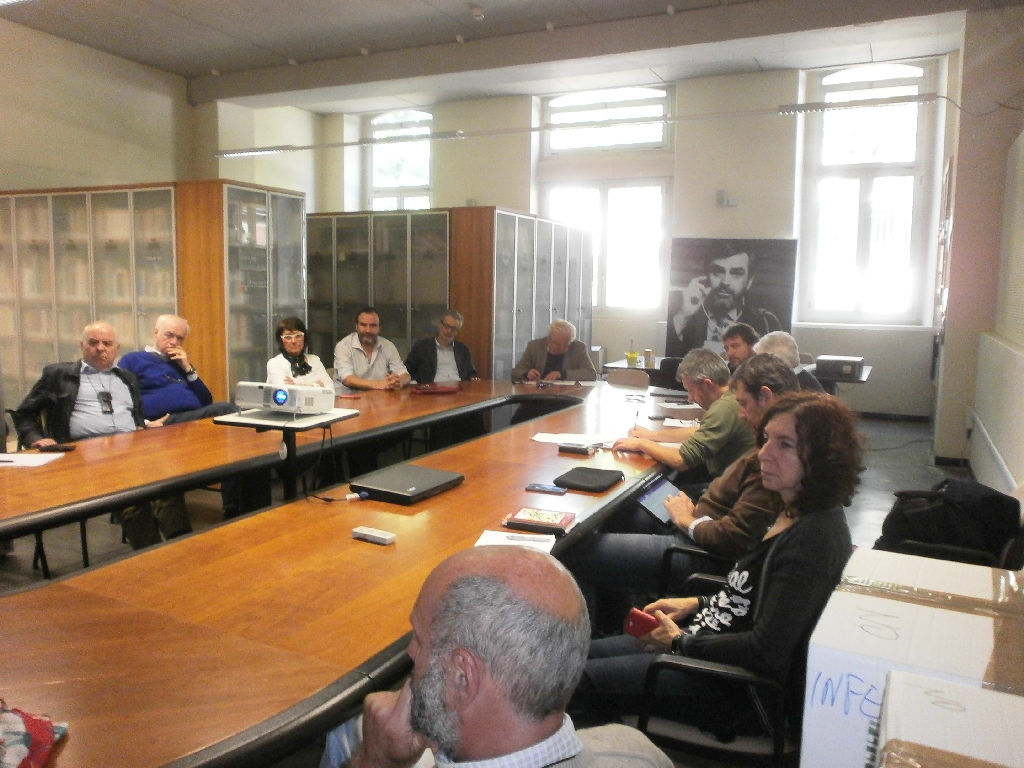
(92,397)
(442,358)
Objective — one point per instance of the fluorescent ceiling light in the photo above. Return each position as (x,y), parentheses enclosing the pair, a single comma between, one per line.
(10,2)
(828,106)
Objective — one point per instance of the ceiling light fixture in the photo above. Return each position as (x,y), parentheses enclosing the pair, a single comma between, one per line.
(215,72)
(364,51)
(831,106)
(477,11)
(460,39)
(10,2)
(550,27)
(785,109)
(670,9)
(255,151)
(292,63)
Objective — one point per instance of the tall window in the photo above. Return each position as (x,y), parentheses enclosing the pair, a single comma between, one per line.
(597,119)
(626,221)
(865,247)
(400,170)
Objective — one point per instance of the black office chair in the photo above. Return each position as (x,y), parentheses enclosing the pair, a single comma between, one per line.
(666,375)
(772,708)
(959,520)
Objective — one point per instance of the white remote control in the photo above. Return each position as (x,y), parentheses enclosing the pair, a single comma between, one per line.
(373,535)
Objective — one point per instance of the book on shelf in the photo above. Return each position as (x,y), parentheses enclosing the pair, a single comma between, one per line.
(540,521)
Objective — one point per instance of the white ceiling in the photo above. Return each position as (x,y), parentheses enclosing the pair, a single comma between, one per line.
(364,55)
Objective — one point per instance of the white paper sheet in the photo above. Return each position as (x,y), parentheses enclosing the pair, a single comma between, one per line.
(28,459)
(542,541)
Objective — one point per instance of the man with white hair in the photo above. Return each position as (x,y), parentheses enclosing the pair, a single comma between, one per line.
(500,638)
(90,397)
(783,346)
(559,356)
(171,387)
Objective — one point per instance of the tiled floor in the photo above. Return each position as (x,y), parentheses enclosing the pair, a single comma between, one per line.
(897,456)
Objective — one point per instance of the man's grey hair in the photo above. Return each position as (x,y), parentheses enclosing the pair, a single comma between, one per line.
(780,344)
(563,326)
(163,319)
(537,658)
(451,313)
(702,363)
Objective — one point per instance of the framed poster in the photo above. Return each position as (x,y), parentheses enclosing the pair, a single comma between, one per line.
(715,283)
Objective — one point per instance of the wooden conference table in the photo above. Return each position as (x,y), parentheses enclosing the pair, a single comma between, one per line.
(106,473)
(233,646)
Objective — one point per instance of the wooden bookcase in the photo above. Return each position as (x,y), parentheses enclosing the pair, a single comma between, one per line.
(241,268)
(512,274)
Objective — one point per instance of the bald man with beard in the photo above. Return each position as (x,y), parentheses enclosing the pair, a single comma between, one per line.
(500,637)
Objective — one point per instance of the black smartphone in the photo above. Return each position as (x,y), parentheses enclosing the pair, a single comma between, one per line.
(557,490)
(57,448)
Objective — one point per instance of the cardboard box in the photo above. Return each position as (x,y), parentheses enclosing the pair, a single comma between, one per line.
(860,638)
(942,583)
(936,724)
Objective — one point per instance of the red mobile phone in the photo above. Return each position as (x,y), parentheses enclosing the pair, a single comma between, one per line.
(639,623)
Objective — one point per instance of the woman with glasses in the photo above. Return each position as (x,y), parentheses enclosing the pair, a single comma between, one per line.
(294,365)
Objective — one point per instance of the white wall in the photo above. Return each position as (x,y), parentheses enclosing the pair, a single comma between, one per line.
(73,116)
(229,126)
(993,71)
(900,357)
(290,170)
(491,170)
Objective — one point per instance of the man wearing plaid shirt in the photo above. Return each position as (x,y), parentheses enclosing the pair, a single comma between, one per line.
(500,637)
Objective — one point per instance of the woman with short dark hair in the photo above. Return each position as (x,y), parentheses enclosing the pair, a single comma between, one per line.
(294,365)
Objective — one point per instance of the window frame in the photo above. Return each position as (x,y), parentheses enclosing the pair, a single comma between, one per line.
(923,222)
(600,240)
(374,193)
(548,111)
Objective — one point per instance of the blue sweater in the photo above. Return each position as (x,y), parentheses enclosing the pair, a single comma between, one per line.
(164,386)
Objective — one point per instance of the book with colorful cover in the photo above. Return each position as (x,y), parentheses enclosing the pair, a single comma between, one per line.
(540,521)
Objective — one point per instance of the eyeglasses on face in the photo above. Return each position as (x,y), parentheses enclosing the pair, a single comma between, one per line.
(297,336)
(450,327)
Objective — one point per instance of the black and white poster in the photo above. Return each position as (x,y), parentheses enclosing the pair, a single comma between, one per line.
(716,283)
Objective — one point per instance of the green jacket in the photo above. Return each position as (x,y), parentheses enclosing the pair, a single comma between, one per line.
(721,439)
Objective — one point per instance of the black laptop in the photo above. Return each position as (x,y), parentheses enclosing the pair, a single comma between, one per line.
(405,483)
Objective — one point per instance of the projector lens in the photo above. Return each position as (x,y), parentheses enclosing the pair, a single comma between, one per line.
(280,396)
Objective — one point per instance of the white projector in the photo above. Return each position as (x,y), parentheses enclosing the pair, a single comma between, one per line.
(288,398)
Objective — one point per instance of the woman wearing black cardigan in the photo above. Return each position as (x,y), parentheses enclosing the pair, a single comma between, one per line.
(810,456)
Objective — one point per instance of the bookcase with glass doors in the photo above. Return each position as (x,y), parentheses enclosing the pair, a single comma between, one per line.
(395,261)
(72,256)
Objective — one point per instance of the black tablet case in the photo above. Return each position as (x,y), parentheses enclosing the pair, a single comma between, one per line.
(589,479)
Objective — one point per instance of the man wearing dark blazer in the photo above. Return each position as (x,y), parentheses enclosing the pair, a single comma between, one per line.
(442,358)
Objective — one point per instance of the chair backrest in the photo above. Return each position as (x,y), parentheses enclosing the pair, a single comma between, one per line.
(629,378)
(806,358)
(667,373)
